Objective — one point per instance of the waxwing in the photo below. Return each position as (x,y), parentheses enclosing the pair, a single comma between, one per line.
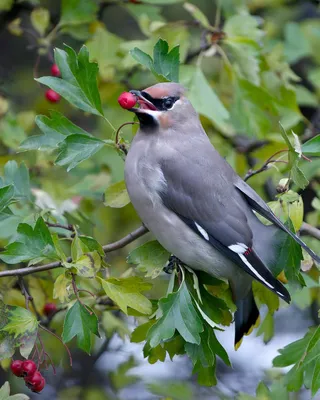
(196,205)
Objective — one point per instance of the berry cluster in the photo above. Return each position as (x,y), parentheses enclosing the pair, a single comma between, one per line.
(50,94)
(29,371)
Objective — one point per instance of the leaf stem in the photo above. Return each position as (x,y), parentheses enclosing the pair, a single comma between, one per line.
(60,340)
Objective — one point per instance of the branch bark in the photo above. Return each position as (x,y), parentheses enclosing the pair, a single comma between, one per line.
(108,248)
(307,229)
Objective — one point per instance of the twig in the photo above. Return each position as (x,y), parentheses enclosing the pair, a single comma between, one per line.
(60,340)
(122,146)
(265,166)
(107,248)
(25,292)
(307,229)
(69,227)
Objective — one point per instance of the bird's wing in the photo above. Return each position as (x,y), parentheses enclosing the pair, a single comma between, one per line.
(257,204)
(205,199)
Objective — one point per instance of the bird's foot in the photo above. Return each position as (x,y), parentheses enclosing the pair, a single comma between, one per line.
(173,262)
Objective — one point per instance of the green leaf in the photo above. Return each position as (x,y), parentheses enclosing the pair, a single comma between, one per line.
(12,134)
(151,257)
(20,321)
(40,19)
(162,2)
(206,101)
(120,379)
(5,391)
(6,5)
(76,12)
(112,324)
(18,176)
(116,195)
(80,321)
(31,244)
(78,82)
(178,313)
(244,26)
(77,148)
(289,256)
(197,14)
(55,129)
(266,328)
(126,292)
(172,390)
(165,63)
(296,44)
(312,147)
(6,196)
(18,328)
(315,386)
(107,56)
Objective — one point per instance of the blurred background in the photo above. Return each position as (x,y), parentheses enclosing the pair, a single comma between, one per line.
(262,67)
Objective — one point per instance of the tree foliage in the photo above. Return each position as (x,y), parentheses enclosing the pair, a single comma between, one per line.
(63,201)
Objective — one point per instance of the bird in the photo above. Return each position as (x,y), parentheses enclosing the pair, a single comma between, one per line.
(194,203)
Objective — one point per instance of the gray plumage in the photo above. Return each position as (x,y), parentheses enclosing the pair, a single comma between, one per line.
(194,203)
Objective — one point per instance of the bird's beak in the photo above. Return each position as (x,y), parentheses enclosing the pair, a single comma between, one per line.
(144,100)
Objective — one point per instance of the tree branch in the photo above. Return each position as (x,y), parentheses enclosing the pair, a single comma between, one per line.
(108,248)
(307,229)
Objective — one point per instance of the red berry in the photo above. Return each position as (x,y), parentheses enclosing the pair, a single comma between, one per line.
(52,96)
(127,100)
(135,1)
(16,367)
(28,368)
(49,308)
(55,71)
(40,386)
(34,379)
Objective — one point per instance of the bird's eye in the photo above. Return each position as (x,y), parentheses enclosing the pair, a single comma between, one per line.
(168,102)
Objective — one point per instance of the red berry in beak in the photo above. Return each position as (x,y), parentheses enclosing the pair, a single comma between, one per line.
(52,96)
(127,100)
(55,71)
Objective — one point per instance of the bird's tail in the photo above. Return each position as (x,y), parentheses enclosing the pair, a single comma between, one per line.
(247,318)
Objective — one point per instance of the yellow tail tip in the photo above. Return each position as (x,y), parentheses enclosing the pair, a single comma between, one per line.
(255,325)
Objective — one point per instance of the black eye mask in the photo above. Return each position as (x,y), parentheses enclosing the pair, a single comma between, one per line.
(163,104)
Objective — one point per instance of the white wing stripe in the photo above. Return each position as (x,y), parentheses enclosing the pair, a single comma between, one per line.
(254,271)
(202,231)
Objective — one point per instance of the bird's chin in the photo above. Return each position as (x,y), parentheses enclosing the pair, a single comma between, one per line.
(147,118)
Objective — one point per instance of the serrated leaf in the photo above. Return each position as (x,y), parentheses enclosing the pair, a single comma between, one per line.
(116,195)
(55,129)
(6,196)
(165,63)
(76,12)
(266,328)
(31,244)
(151,257)
(40,19)
(78,82)
(87,265)
(178,313)
(77,148)
(312,147)
(126,292)
(243,26)
(80,321)
(315,386)
(19,321)
(18,176)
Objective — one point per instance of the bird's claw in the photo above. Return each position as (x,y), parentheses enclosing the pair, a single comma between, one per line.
(172,263)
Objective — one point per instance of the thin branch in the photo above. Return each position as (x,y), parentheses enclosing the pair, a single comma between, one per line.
(264,167)
(60,340)
(307,229)
(69,227)
(108,248)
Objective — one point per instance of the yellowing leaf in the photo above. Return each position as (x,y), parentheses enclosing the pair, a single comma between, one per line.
(61,288)
(40,19)
(126,292)
(116,195)
(19,321)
